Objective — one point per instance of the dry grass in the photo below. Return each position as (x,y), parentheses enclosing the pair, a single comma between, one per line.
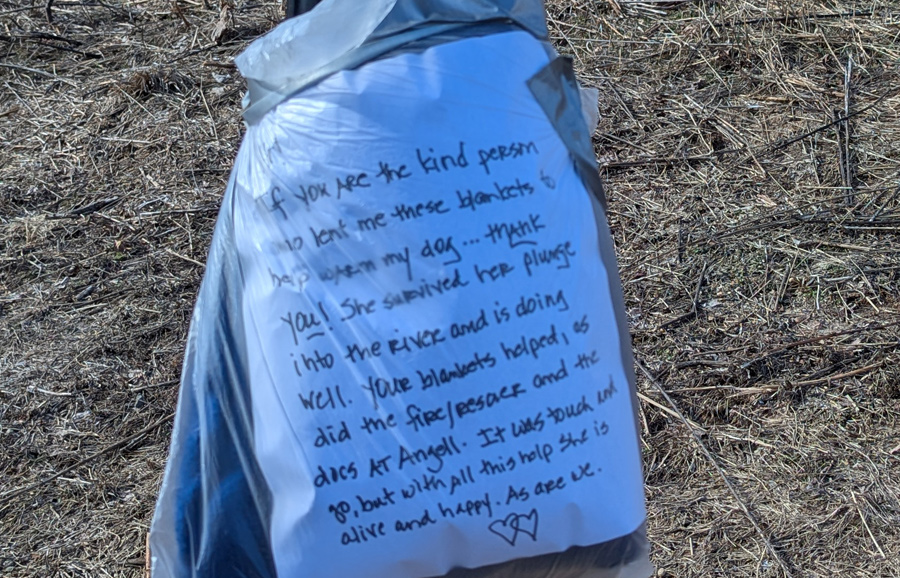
(751,155)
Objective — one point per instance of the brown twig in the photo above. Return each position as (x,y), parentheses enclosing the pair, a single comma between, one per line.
(846,374)
(177,10)
(844,158)
(147,566)
(155,385)
(760,151)
(44,39)
(786,143)
(38,72)
(802,342)
(788,19)
(695,303)
(5,498)
(862,517)
(712,460)
(784,283)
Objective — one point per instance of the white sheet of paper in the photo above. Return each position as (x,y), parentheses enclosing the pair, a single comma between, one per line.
(435,366)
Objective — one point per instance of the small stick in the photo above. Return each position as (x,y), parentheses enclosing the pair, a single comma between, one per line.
(695,307)
(830,378)
(787,19)
(147,568)
(884,206)
(695,304)
(212,119)
(775,554)
(802,342)
(228,65)
(188,259)
(40,72)
(5,498)
(45,40)
(664,409)
(844,138)
(177,10)
(808,134)
(670,160)
(784,283)
(761,151)
(155,385)
(866,525)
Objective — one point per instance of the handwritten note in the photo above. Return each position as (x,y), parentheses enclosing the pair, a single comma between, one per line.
(435,366)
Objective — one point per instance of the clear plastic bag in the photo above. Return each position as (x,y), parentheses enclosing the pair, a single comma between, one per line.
(409,357)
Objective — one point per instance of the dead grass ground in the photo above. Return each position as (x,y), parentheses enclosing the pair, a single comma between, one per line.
(751,155)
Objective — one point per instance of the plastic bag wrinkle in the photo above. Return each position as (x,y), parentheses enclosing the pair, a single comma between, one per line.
(322,36)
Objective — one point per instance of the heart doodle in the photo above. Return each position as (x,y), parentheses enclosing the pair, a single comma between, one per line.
(511,526)
(504,528)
